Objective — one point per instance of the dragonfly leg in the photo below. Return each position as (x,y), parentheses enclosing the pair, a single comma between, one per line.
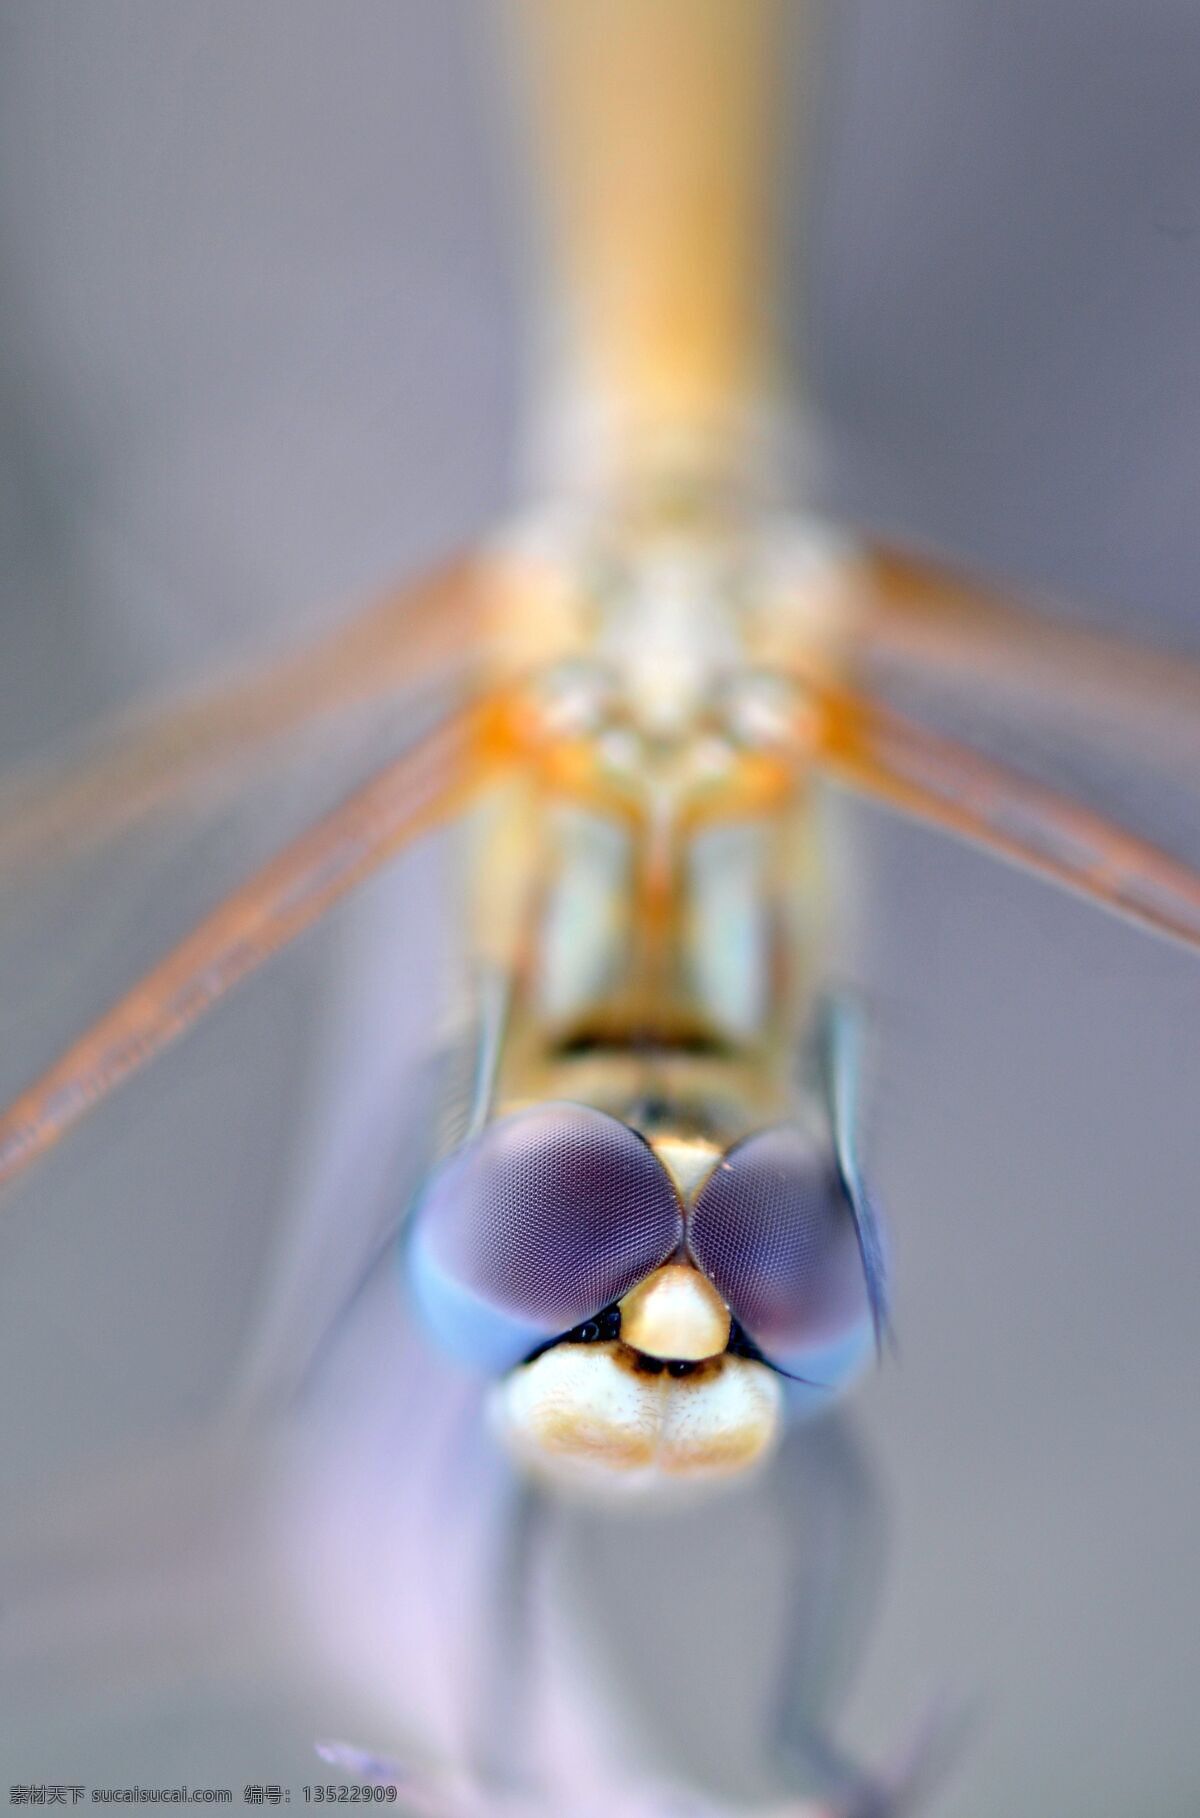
(904,1787)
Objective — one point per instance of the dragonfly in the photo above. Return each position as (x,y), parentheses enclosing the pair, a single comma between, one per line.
(654,1227)
(648,680)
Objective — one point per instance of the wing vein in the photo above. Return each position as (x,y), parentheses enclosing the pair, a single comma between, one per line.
(945,784)
(272,908)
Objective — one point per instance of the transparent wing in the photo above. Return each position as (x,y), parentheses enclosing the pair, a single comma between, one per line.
(422,633)
(110,856)
(1045,657)
(278,902)
(946,784)
(170,1219)
(194,1248)
(1070,752)
(1099,715)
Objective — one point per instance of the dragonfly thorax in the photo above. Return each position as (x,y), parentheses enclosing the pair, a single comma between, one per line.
(670,635)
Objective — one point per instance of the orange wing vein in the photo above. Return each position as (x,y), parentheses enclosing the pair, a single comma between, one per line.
(881,754)
(947,628)
(432,627)
(275,905)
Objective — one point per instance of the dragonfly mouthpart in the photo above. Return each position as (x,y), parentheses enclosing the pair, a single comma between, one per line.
(675,1315)
(608,1420)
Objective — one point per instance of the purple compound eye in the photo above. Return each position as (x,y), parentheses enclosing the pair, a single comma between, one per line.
(774,1231)
(545,1219)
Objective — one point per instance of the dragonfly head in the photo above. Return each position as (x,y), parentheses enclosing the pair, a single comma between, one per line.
(624,1292)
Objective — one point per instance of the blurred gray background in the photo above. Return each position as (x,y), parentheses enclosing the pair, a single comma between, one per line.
(261,349)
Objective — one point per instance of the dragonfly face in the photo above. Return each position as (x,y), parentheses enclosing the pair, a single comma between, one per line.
(651,1302)
(655,1345)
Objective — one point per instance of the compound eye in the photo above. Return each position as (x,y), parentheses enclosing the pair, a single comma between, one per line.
(774,1231)
(547,1217)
